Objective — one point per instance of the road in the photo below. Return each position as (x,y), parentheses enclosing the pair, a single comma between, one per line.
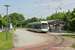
(27,40)
(23,38)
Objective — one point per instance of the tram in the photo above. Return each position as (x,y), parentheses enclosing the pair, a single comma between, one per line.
(40,26)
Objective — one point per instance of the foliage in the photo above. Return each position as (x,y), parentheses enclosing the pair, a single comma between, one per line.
(34,19)
(5,44)
(14,18)
(42,19)
(72,23)
(2,21)
(68,17)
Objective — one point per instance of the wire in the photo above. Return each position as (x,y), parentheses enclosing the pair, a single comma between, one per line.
(36,7)
(47,6)
(55,8)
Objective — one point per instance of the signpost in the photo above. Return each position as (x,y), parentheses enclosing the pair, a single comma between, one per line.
(11,27)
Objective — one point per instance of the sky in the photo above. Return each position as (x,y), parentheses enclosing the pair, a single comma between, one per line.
(36,8)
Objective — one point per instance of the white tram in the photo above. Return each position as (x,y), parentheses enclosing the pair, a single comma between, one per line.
(40,26)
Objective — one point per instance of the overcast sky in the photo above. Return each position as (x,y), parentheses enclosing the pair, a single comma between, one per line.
(36,8)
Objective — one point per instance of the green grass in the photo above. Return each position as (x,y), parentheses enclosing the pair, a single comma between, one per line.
(5,44)
(73,36)
(69,31)
(73,46)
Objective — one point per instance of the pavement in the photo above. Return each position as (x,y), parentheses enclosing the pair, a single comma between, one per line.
(25,39)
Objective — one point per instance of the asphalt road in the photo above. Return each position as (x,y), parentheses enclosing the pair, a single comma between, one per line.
(23,38)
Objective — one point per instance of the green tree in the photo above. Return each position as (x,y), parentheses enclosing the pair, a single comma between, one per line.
(16,18)
(72,23)
(73,13)
(34,19)
(40,19)
(2,21)
(48,18)
(43,19)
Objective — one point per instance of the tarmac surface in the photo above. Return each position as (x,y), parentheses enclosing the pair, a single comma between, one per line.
(27,40)
(23,38)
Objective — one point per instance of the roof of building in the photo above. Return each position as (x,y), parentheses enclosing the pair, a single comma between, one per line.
(55,21)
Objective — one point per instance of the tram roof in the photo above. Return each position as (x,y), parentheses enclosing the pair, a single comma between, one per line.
(38,22)
(55,21)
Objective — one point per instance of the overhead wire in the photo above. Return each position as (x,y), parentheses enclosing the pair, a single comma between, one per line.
(55,8)
(47,6)
(36,7)
(62,7)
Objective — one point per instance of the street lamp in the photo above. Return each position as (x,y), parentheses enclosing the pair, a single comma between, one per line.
(7,22)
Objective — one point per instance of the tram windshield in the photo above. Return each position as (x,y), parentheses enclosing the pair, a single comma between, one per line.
(44,26)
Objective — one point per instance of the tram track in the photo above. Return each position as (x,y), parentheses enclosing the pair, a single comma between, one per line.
(55,45)
(68,41)
(56,42)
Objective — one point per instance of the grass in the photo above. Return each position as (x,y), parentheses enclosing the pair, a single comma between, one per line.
(73,36)
(70,31)
(73,46)
(5,44)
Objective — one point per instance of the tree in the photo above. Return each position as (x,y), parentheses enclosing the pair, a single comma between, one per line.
(2,21)
(34,19)
(73,13)
(72,23)
(16,18)
(42,19)
(48,18)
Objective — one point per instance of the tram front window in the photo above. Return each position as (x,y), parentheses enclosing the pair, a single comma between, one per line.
(44,26)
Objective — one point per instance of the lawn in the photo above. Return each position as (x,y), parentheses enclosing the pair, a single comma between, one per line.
(5,44)
(73,36)
(69,31)
(73,46)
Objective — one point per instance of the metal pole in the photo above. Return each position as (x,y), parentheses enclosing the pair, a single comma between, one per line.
(67,26)
(19,16)
(7,22)
(7,26)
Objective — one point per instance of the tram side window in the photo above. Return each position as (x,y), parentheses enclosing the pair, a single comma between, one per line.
(37,26)
(29,26)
